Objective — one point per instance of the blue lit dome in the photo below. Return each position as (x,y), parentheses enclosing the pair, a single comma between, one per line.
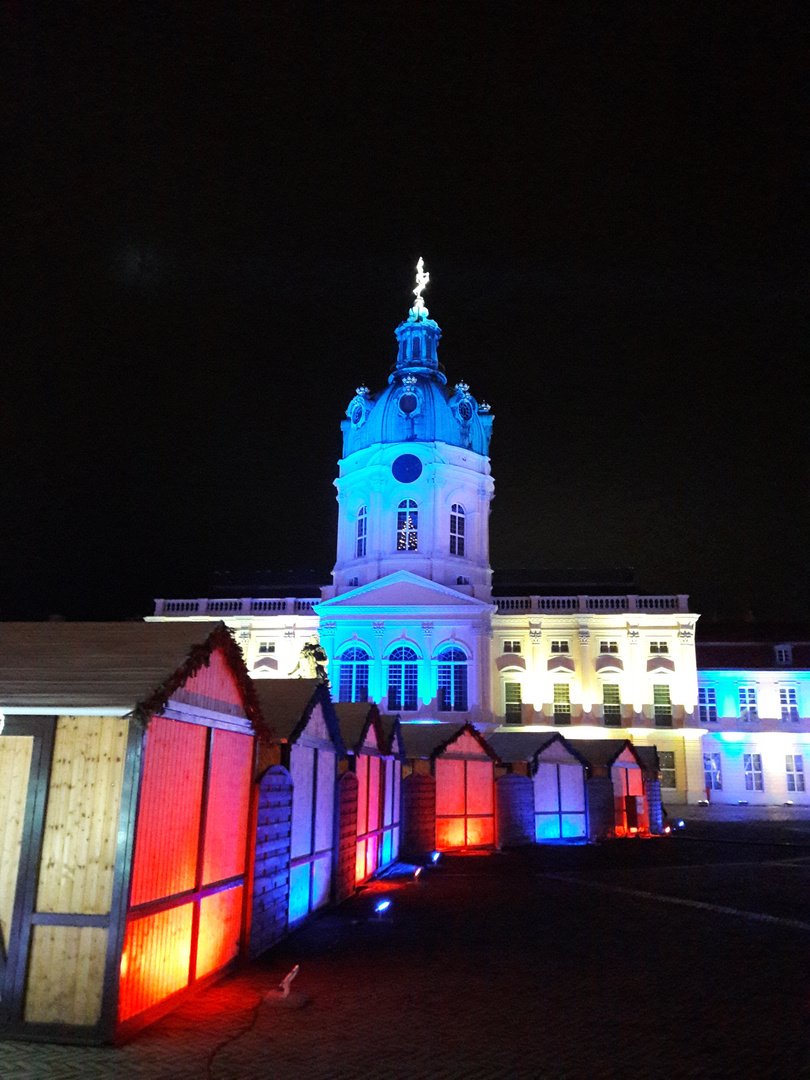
(417,405)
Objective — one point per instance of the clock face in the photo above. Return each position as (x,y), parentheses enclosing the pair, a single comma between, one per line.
(407,468)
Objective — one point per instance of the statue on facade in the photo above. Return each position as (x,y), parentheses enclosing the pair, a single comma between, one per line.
(311,662)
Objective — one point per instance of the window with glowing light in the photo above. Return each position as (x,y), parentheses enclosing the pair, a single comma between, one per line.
(611,705)
(666,763)
(712,776)
(789,703)
(353,678)
(560,647)
(362,531)
(513,702)
(752,765)
(748,703)
(662,705)
(707,704)
(403,679)
(407,525)
(456,529)
(452,680)
(794,769)
(562,703)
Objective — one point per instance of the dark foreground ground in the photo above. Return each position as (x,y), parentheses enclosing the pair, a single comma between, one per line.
(673,958)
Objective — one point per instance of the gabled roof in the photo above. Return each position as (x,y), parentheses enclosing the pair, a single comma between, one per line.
(392,727)
(286,706)
(602,753)
(431,740)
(512,746)
(648,755)
(357,720)
(131,666)
(400,589)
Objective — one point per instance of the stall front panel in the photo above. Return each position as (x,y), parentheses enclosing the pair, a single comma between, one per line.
(465,796)
(313,767)
(377,813)
(560,807)
(628,795)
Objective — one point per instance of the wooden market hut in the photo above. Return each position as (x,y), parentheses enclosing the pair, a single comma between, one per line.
(617,801)
(375,757)
(126,762)
(448,789)
(544,797)
(298,807)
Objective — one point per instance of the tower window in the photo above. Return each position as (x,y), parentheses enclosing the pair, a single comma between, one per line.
(662,705)
(452,680)
(456,529)
(562,703)
(407,525)
(513,699)
(353,675)
(611,704)
(402,679)
(362,533)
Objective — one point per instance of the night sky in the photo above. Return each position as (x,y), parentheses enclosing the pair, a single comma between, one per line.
(215,212)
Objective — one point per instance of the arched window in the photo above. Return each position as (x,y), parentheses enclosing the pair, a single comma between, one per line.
(456,529)
(353,675)
(407,525)
(403,679)
(362,531)
(452,680)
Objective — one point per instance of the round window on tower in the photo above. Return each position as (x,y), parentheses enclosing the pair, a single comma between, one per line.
(357,414)
(407,468)
(408,404)
(465,411)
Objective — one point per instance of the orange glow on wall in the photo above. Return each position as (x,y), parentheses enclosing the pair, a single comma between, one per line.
(155,960)
(465,800)
(220,927)
(167,835)
(228,801)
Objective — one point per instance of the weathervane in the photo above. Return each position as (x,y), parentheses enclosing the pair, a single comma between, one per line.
(422,278)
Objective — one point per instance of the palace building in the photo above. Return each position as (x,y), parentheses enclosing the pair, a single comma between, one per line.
(412,621)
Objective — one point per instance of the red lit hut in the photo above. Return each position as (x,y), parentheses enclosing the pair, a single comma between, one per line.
(543,796)
(448,788)
(617,800)
(296,838)
(126,763)
(375,759)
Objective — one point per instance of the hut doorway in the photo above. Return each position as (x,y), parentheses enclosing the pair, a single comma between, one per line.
(560,807)
(465,803)
(628,797)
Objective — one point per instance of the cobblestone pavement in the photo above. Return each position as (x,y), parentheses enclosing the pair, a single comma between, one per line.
(558,963)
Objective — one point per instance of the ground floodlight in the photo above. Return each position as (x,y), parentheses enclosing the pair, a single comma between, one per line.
(416,873)
(434,856)
(381,906)
(681,824)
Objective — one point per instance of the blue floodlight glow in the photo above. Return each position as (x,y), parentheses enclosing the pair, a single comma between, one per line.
(681,823)
(434,856)
(381,906)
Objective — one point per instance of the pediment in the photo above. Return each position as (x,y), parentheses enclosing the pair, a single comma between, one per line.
(400,590)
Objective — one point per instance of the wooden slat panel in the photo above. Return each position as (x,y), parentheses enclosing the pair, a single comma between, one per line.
(66,975)
(155,959)
(167,830)
(215,681)
(81,823)
(220,929)
(15,768)
(228,805)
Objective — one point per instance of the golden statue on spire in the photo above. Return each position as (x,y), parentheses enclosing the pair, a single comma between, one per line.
(422,278)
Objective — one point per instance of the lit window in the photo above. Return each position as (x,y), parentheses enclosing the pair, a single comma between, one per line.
(560,647)
(511,646)
(456,529)
(712,777)
(794,768)
(748,703)
(659,647)
(266,647)
(707,704)
(562,704)
(353,675)
(666,763)
(513,701)
(662,705)
(784,655)
(407,525)
(611,704)
(452,680)
(402,679)
(608,646)
(752,764)
(362,532)
(789,703)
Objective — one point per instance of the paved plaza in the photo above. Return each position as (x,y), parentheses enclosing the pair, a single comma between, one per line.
(682,957)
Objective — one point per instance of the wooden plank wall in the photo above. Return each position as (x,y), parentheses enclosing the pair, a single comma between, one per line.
(66,968)
(271,880)
(15,768)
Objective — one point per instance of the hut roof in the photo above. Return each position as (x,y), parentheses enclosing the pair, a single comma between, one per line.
(648,755)
(602,753)
(355,718)
(430,740)
(392,729)
(131,666)
(286,705)
(511,746)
